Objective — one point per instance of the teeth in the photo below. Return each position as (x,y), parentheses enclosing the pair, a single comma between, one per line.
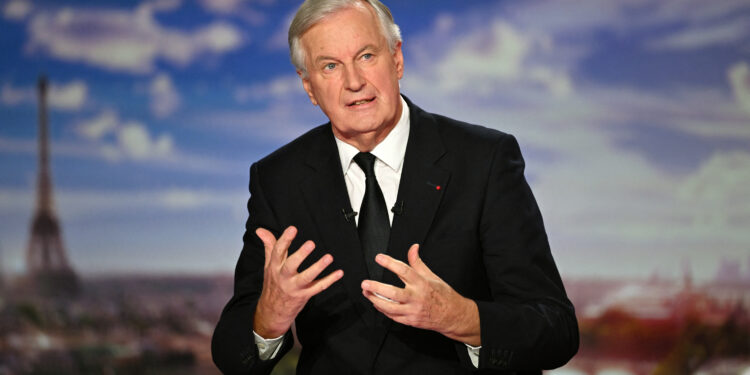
(361,102)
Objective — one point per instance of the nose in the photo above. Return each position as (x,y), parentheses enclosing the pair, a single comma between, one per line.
(354,79)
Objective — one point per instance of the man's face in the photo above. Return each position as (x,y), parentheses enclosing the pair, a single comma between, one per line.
(352,75)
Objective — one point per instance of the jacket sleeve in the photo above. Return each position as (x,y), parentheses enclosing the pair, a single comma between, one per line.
(233,345)
(529,324)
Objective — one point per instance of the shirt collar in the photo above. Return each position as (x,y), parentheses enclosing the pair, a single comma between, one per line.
(390,150)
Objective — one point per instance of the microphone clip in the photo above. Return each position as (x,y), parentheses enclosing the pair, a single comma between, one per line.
(398,208)
(348,215)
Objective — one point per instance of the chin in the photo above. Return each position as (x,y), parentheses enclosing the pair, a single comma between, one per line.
(353,129)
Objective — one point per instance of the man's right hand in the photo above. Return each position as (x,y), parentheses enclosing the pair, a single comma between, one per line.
(286,291)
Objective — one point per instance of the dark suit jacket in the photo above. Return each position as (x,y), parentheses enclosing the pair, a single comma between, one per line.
(481,231)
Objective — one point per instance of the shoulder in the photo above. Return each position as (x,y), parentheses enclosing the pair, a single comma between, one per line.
(464,137)
(297,151)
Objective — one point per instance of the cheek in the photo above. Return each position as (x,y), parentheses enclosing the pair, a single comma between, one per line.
(387,79)
(327,91)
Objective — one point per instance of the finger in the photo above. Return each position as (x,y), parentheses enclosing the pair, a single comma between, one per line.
(282,244)
(325,282)
(416,262)
(291,264)
(403,271)
(307,276)
(269,241)
(397,313)
(397,295)
(390,309)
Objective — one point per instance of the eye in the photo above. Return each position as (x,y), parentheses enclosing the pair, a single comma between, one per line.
(367,56)
(329,66)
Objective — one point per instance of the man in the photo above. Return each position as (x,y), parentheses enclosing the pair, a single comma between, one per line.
(398,241)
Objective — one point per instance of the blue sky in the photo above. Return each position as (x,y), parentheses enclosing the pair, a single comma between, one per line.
(634,118)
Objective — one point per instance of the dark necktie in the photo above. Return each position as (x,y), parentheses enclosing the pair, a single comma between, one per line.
(374,226)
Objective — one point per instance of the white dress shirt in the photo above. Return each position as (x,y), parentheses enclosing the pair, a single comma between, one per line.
(389,162)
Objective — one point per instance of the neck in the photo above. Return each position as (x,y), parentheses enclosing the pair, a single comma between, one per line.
(366,142)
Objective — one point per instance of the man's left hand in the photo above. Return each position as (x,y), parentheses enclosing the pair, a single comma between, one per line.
(425,301)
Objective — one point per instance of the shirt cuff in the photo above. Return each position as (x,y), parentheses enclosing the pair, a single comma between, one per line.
(473,354)
(268,348)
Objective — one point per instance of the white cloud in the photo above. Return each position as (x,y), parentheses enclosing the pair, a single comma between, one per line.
(693,37)
(444,23)
(135,142)
(739,80)
(121,40)
(704,112)
(185,199)
(67,148)
(235,8)
(496,52)
(604,202)
(280,122)
(695,12)
(12,96)
(160,5)
(287,112)
(70,96)
(63,96)
(718,191)
(484,60)
(569,17)
(74,204)
(17,10)
(278,88)
(108,137)
(222,6)
(689,23)
(164,97)
(99,126)
(130,140)
(218,37)
(557,83)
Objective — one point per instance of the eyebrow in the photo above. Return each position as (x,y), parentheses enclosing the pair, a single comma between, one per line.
(366,47)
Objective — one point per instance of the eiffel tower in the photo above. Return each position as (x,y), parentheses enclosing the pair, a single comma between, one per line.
(49,272)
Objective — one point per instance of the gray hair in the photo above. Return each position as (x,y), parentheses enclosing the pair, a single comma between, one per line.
(313,11)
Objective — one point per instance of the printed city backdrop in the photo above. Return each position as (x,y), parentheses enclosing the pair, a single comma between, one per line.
(119,233)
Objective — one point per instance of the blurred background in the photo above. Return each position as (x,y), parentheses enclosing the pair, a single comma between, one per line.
(119,234)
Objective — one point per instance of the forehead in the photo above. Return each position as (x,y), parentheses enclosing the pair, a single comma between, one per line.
(343,32)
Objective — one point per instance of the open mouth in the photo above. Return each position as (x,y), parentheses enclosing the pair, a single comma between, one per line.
(360,102)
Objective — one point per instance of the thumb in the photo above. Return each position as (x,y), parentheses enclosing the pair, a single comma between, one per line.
(416,262)
(269,241)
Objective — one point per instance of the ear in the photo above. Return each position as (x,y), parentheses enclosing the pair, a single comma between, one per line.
(398,60)
(308,87)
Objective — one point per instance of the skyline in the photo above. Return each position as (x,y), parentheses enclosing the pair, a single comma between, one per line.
(633,117)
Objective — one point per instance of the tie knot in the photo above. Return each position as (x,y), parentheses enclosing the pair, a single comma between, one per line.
(366,161)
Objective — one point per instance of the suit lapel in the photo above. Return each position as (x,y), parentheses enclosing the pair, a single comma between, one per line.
(419,194)
(325,195)
(421,188)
